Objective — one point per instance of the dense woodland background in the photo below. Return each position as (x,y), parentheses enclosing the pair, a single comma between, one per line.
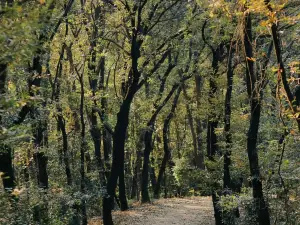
(107,102)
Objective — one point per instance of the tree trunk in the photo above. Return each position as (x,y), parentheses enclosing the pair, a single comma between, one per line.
(227,120)
(262,210)
(122,191)
(167,152)
(149,147)
(64,154)
(118,158)
(145,172)
(82,151)
(217,210)
(212,123)
(6,166)
(200,159)
(138,164)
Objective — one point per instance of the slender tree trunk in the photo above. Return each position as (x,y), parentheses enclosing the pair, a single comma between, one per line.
(62,125)
(122,188)
(212,123)
(167,152)
(6,166)
(199,130)
(82,151)
(149,147)
(145,172)
(262,210)
(138,165)
(61,120)
(227,120)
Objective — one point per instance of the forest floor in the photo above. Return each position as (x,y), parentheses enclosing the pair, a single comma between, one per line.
(180,211)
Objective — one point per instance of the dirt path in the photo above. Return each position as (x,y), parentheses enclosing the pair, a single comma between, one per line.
(180,211)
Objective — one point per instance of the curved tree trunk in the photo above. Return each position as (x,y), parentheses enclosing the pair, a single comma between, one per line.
(118,158)
(149,147)
(167,152)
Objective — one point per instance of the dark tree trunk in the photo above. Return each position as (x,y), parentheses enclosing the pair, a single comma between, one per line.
(149,147)
(212,123)
(217,209)
(118,158)
(61,120)
(145,172)
(122,192)
(96,136)
(41,164)
(254,93)
(200,159)
(138,164)
(119,136)
(39,127)
(3,75)
(227,119)
(260,204)
(62,125)
(83,147)
(6,166)
(167,152)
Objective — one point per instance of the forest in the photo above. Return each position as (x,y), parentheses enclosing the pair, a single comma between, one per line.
(109,105)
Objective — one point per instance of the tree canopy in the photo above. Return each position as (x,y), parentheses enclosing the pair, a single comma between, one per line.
(108,102)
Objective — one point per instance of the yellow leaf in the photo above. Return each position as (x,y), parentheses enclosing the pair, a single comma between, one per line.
(42,2)
(251,59)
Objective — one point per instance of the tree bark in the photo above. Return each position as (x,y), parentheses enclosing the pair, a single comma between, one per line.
(167,152)
(6,166)
(199,130)
(60,118)
(149,147)
(118,157)
(138,164)
(262,210)
(227,120)
(82,151)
